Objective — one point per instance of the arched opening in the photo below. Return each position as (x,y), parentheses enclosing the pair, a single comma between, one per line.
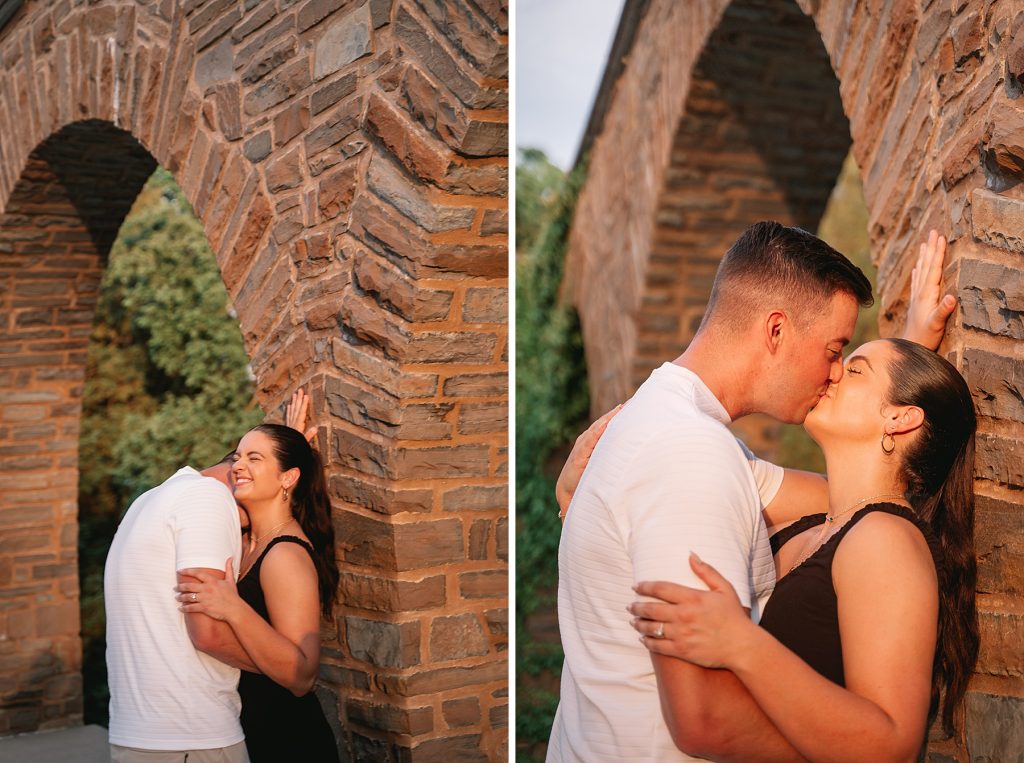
(63,267)
(167,384)
(763,136)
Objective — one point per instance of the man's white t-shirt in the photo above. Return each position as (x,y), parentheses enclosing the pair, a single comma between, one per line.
(165,694)
(666,478)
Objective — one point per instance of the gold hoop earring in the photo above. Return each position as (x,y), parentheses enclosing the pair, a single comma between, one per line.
(892,443)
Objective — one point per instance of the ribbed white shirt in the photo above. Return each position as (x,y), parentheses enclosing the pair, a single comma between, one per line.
(667,478)
(164,694)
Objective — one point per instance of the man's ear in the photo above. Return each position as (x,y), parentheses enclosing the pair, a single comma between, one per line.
(902,419)
(776,323)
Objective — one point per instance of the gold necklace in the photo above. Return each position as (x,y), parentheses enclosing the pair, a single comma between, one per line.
(830,519)
(253,542)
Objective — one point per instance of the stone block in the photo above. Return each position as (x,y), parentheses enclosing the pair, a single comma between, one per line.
(1004,147)
(994,726)
(335,192)
(363,320)
(501,539)
(485,305)
(362,591)
(258,146)
(476,385)
(381,499)
(479,532)
(426,544)
(412,35)
(488,584)
(364,540)
(400,720)
(451,347)
(384,644)
(498,717)
(457,637)
(333,92)
(375,412)
(269,62)
(461,712)
(445,679)
(426,421)
(336,127)
(315,11)
(215,65)
(485,138)
(483,418)
(396,292)
(495,222)
(421,155)
(284,85)
(476,498)
(497,621)
(412,200)
(1000,459)
(1000,654)
(465,749)
(253,22)
(998,220)
(439,462)
(992,298)
(472,33)
(997,384)
(284,172)
(346,39)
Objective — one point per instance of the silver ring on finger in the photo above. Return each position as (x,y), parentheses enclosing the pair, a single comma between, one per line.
(660,632)
(195,598)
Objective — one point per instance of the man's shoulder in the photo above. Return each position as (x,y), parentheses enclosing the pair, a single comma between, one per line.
(188,483)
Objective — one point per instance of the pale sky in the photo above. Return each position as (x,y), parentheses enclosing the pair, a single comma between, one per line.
(561,50)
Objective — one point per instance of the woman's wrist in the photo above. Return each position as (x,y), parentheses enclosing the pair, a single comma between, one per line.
(745,648)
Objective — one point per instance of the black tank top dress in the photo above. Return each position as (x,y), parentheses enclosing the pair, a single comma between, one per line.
(279,727)
(803,613)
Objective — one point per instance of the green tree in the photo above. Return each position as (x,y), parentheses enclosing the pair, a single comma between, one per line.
(538,184)
(552,402)
(167,384)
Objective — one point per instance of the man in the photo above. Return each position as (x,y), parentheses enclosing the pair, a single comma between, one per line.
(173,677)
(668,478)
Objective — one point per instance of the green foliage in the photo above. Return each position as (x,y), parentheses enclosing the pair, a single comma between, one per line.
(551,403)
(167,384)
(537,189)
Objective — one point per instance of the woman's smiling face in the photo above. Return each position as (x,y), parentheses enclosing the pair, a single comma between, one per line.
(256,474)
(854,407)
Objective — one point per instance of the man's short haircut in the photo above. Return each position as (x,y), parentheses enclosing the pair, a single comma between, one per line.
(775,266)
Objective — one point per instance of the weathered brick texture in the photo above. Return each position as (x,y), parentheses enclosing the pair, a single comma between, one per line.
(349,162)
(747,116)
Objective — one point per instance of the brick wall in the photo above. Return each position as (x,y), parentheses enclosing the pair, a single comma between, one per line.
(349,163)
(730,112)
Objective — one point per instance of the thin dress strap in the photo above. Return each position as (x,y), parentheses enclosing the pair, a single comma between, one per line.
(280,539)
(786,534)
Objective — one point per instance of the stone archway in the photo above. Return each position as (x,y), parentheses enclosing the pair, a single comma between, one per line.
(683,154)
(348,162)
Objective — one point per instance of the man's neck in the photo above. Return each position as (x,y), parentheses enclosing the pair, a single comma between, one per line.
(725,368)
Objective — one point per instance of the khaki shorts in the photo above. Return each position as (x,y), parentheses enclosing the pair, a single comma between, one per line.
(234,754)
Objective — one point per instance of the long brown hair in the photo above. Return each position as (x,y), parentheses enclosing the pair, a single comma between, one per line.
(310,504)
(939,470)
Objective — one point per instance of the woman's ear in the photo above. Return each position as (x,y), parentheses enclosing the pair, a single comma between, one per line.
(290,478)
(904,418)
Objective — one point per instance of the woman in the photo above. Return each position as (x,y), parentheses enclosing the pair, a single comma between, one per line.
(287,578)
(874,613)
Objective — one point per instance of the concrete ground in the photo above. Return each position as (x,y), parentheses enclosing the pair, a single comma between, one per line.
(81,744)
